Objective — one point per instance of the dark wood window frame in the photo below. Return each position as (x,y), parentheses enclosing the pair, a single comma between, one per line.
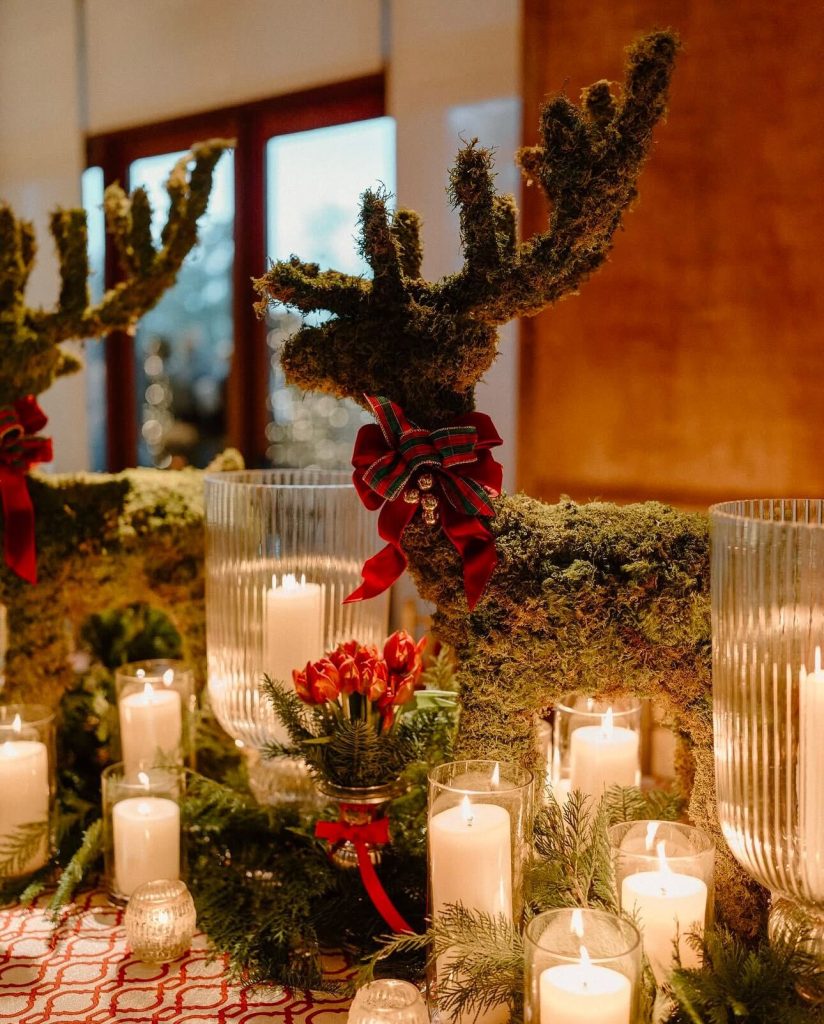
(252,125)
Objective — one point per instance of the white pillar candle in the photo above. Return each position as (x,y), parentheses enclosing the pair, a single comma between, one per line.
(668,905)
(602,756)
(151,727)
(583,993)
(24,792)
(811,775)
(470,851)
(146,841)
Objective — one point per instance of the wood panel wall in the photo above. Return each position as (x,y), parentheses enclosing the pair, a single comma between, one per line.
(691,367)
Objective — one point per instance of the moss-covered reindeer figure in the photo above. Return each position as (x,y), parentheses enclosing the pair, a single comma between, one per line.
(101,541)
(591,598)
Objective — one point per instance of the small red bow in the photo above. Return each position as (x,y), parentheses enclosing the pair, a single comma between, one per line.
(19,451)
(370,833)
(454,461)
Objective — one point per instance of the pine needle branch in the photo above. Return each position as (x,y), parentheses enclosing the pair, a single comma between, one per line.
(77,869)
(21,845)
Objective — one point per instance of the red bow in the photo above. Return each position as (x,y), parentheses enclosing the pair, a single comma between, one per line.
(19,451)
(454,461)
(370,833)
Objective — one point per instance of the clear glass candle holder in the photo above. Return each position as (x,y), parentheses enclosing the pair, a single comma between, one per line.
(581,965)
(768,700)
(156,708)
(141,828)
(595,744)
(283,550)
(27,788)
(388,1001)
(664,880)
(160,921)
(479,844)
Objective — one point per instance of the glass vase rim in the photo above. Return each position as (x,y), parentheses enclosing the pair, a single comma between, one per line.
(707,842)
(256,479)
(627,929)
(400,985)
(565,705)
(733,511)
(362,794)
(117,770)
(148,894)
(525,774)
(41,714)
(130,669)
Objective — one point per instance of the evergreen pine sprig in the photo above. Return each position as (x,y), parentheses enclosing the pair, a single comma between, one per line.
(757,985)
(20,845)
(78,868)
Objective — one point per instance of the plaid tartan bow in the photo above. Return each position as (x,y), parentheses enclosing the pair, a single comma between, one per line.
(19,451)
(400,467)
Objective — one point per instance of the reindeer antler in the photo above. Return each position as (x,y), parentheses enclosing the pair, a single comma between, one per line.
(425,345)
(30,338)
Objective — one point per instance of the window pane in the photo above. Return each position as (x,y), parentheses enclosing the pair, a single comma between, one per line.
(183,347)
(313,183)
(94,353)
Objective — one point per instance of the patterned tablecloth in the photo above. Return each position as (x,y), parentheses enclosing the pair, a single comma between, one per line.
(84,974)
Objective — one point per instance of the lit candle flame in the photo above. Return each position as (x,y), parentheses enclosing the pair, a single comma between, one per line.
(577,923)
(466,811)
(496,775)
(143,779)
(607,727)
(148,691)
(586,967)
(17,724)
(168,677)
(652,831)
(141,672)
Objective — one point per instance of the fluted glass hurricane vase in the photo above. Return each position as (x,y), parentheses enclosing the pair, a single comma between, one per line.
(768,699)
(283,549)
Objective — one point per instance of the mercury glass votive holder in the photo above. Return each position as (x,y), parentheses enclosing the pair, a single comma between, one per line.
(141,828)
(664,877)
(27,788)
(388,1001)
(160,921)
(768,701)
(283,550)
(156,708)
(595,744)
(581,965)
(479,844)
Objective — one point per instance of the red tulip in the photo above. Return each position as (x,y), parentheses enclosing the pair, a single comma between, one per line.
(318,683)
(343,658)
(374,677)
(402,654)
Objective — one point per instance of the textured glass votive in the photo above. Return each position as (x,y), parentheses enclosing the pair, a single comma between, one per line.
(595,744)
(768,700)
(388,1001)
(581,966)
(160,921)
(155,707)
(141,828)
(283,550)
(27,788)
(479,843)
(664,878)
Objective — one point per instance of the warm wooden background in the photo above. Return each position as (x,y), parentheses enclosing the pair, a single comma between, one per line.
(691,367)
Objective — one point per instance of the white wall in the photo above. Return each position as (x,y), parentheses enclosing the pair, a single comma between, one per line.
(149,60)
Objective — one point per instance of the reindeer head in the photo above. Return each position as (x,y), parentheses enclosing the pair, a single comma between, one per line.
(30,339)
(426,344)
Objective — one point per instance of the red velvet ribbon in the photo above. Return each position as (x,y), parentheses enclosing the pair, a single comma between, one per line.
(370,833)
(19,451)
(400,448)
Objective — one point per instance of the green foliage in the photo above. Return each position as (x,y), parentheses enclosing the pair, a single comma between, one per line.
(440,671)
(352,752)
(78,868)
(751,984)
(135,632)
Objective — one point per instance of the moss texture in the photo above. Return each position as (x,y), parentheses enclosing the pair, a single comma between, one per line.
(30,338)
(105,542)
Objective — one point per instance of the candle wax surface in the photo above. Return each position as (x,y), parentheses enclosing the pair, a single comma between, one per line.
(151,728)
(584,994)
(600,758)
(146,841)
(667,904)
(24,793)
